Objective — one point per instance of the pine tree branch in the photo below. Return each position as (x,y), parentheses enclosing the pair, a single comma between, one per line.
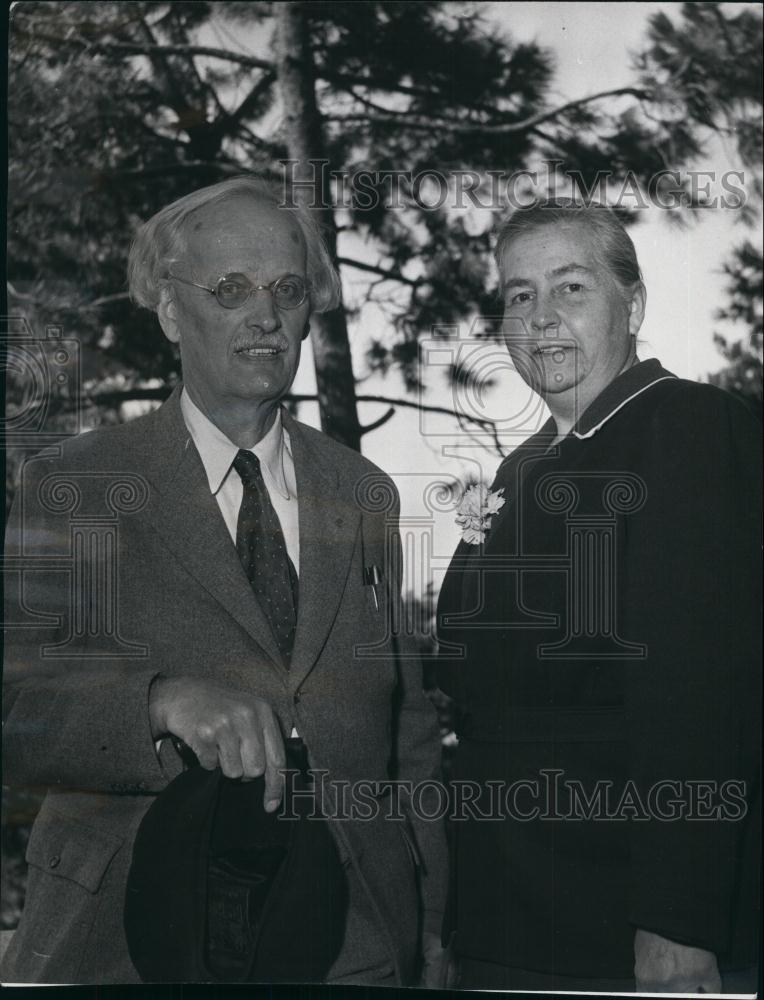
(413,121)
(482,423)
(104,300)
(249,103)
(349,83)
(151,50)
(359,265)
(161,66)
(375,424)
(504,128)
(343,80)
(246,134)
(370,104)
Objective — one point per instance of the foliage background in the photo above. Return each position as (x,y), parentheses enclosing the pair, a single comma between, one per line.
(117,109)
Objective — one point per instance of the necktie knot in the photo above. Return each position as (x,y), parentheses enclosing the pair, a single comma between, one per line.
(247,464)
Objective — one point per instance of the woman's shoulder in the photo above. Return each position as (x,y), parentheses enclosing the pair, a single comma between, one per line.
(694,431)
(694,406)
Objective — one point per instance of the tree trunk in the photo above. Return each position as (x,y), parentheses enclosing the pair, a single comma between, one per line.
(329,334)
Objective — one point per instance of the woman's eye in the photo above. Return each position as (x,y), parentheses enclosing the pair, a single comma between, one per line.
(520,298)
(574,286)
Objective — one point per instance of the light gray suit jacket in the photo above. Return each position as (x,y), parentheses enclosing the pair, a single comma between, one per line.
(167,595)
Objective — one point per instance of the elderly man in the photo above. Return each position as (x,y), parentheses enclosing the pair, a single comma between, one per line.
(250,604)
(608,619)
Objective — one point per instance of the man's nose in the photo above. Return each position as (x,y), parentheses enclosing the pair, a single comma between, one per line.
(262,313)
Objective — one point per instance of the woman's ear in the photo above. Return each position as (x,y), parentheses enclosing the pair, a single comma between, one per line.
(637,308)
(167,314)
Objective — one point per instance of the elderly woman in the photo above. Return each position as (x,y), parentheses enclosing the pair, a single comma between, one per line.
(599,636)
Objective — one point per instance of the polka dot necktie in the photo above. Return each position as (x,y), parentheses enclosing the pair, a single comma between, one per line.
(263,554)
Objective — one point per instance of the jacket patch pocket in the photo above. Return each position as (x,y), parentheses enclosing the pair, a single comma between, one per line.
(64,848)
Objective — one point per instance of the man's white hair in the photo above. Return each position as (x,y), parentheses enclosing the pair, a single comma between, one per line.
(161,241)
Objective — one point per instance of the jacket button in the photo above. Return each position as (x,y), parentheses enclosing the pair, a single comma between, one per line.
(297,696)
(54,861)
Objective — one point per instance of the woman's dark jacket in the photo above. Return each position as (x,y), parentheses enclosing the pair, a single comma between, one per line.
(603,651)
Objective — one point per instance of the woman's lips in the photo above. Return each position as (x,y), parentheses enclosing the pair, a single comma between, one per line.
(557,352)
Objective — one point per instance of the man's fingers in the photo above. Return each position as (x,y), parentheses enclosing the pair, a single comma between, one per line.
(275,762)
(227,729)
(252,755)
(229,752)
(206,753)
(274,789)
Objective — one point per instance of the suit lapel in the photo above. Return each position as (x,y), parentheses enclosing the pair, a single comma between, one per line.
(186,515)
(329,525)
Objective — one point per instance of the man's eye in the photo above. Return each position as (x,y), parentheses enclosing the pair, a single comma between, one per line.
(520,298)
(231,288)
(289,292)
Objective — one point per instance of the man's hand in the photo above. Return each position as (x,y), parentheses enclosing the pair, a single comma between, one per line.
(224,727)
(663,966)
(439,968)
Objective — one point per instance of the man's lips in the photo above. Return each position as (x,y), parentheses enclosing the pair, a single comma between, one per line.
(260,350)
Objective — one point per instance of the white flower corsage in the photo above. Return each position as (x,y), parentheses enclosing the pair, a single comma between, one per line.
(477,507)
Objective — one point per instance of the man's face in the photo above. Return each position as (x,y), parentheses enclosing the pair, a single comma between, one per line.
(567,323)
(250,353)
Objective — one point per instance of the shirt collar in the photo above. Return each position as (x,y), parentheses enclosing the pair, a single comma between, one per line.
(217,451)
(619,393)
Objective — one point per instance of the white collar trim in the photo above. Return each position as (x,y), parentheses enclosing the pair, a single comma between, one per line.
(593,430)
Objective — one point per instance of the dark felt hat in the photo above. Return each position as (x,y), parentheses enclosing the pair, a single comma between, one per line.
(221,891)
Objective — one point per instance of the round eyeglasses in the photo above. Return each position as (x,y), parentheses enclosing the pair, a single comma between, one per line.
(233,290)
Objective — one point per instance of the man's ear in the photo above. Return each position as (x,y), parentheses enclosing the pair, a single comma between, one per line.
(637,304)
(167,314)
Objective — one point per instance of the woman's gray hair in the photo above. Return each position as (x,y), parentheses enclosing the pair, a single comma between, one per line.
(160,241)
(612,243)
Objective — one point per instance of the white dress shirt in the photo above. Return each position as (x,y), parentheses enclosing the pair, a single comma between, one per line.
(217,453)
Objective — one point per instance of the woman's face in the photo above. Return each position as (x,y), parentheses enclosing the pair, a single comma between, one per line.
(567,323)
